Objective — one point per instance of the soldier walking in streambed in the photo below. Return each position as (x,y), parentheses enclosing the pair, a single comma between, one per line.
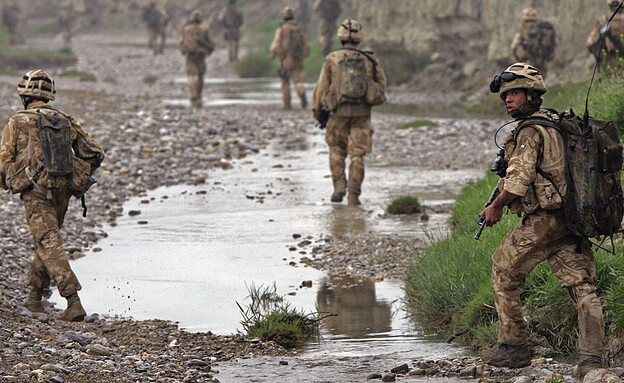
(156,20)
(609,40)
(290,45)
(329,11)
(46,157)
(11,18)
(231,19)
(196,44)
(350,84)
(67,17)
(535,41)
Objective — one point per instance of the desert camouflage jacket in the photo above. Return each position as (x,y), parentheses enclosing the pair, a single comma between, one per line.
(527,150)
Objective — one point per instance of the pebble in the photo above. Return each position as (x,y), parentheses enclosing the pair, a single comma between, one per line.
(402,369)
(388,378)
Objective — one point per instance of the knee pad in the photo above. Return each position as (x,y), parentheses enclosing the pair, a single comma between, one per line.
(582,293)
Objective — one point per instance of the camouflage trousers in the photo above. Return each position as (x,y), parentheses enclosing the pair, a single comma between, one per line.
(13,37)
(543,236)
(195,70)
(232,36)
(326,31)
(45,217)
(352,136)
(154,35)
(297,77)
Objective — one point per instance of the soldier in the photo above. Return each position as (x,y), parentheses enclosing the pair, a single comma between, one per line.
(47,169)
(195,44)
(535,41)
(11,18)
(66,17)
(608,39)
(231,18)
(303,15)
(156,20)
(329,10)
(350,83)
(291,46)
(536,158)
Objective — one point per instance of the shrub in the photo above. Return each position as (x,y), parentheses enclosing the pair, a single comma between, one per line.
(407,204)
(418,124)
(82,76)
(267,317)
(20,58)
(399,64)
(150,79)
(256,63)
(606,102)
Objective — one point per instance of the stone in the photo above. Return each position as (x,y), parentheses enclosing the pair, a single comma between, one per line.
(197,363)
(388,378)
(418,372)
(401,369)
(374,376)
(57,379)
(76,337)
(98,350)
(523,379)
(468,371)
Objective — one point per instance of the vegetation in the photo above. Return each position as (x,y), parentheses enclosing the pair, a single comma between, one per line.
(82,76)
(21,58)
(448,288)
(150,79)
(267,317)
(399,63)
(407,204)
(606,102)
(418,124)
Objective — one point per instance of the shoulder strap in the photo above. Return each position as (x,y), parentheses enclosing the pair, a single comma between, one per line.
(368,56)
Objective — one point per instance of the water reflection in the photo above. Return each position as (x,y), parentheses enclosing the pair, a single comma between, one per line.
(354,300)
(346,220)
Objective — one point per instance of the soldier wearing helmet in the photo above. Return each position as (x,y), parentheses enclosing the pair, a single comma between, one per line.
(231,18)
(533,186)
(196,44)
(290,45)
(11,18)
(535,41)
(329,11)
(66,18)
(606,42)
(29,165)
(156,20)
(350,84)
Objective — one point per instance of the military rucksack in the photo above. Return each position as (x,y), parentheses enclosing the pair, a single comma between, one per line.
(54,133)
(152,17)
(593,204)
(353,77)
(295,44)
(540,40)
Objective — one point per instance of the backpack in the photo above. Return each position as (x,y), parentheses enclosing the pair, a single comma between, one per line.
(152,16)
(593,203)
(294,43)
(195,39)
(540,40)
(56,145)
(352,76)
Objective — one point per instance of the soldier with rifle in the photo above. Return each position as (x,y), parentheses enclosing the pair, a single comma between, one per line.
(605,41)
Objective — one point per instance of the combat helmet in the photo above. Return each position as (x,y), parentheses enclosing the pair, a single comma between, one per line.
(197,16)
(37,84)
(529,14)
(288,13)
(350,29)
(518,76)
(613,3)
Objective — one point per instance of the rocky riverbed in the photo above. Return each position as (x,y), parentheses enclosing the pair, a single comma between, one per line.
(149,145)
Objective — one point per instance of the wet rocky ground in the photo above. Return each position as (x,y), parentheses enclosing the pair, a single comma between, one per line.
(149,145)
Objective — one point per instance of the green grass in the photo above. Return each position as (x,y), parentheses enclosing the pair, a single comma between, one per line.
(269,318)
(150,79)
(606,102)
(407,204)
(82,76)
(448,287)
(21,58)
(418,124)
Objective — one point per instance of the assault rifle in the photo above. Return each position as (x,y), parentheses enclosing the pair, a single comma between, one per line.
(499,166)
(323,118)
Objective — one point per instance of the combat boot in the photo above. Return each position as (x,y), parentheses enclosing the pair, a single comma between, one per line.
(340,187)
(505,355)
(74,311)
(33,302)
(353,199)
(586,364)
(304,100)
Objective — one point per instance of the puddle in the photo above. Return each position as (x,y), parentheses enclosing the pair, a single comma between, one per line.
(239,91)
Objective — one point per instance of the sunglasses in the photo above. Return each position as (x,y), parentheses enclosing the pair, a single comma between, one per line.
(503,77)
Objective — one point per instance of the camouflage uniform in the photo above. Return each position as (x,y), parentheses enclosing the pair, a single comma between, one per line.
(11,19)
(521,54)
(156,20)
(66,18)
(613,45)
(45,206)
(329,10)
(291,66)
(231,18)
(303,15)
(196,44)
(348,129)
(542,235)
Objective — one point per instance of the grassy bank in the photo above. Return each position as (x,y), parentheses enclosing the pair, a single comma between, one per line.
(448,288)
(28,58)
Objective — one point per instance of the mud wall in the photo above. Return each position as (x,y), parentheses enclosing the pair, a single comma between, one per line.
(461,34)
